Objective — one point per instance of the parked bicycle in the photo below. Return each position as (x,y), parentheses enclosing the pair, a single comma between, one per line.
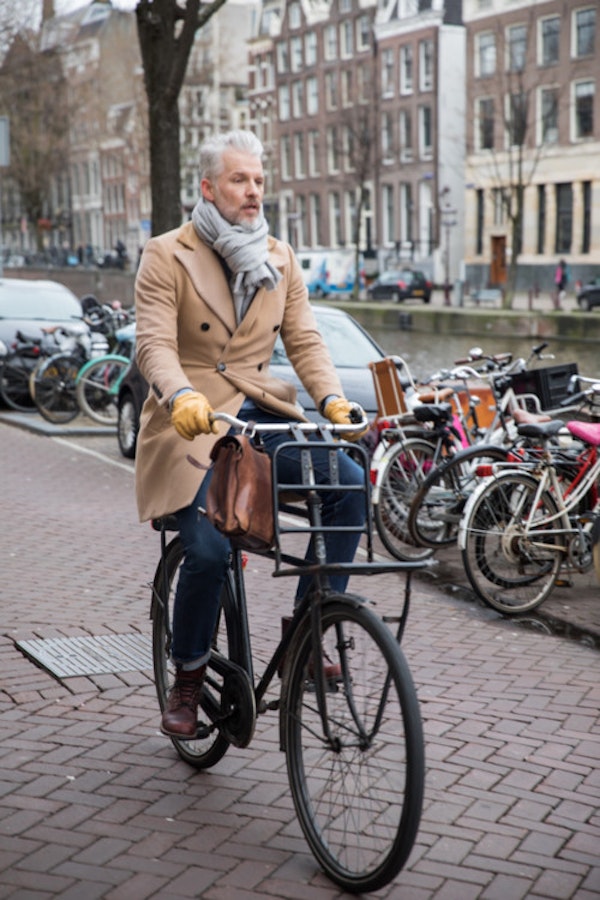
(354,748)
(526,520)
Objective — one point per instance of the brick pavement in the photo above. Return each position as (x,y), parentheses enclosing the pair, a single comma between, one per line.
(94,802)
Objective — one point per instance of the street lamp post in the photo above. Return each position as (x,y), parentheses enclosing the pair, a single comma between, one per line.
(448,221)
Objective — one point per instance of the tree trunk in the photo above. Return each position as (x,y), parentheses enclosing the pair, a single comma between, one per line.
(165,180)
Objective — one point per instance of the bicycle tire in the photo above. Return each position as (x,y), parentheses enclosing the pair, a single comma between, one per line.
(204,751)
(358,797)
(403,469)
(438,505)
(54,389)
(510,566)
(15,372)
(98,387)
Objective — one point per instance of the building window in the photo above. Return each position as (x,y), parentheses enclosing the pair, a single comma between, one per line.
(387,137)
(331,42)
(517,119)
(485,123)
(425,135)
(284,102)
(485,59)
(498,206)
(584,109)
(516,45)
(363,33)
(364,84)
(296,60)
(333,150)
(564,218)
(294,15)
(406,148)
(425,65)
(313,153)
(387,212)
(331,97)
(282,57)
(541,219)
(480,222)
(387,73)
(586,236)
(286,158)
(335,219)
(315,219)
(349,149)
(406,206)
(549,41)
(346,39)
(584,32)
(310,48)
(312,96)
(347,97)
(406,70)
(548,115)
(299,155)
(298,99)
(350,220)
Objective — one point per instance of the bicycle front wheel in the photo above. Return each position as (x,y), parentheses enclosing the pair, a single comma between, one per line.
(404,470)
(438,505)
(357,790)
(98,387)
(54,389)
(511,542)
(210,745)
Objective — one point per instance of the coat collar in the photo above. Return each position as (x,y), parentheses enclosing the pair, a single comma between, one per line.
(208,278)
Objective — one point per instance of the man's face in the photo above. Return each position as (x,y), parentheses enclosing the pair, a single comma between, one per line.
(239,189)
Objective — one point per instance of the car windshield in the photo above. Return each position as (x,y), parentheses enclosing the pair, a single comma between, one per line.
(348,344)
(23,302)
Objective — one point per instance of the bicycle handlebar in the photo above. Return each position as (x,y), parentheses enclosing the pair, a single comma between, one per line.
(306,427)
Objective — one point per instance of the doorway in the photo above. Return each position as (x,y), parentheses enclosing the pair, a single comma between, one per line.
(498,263)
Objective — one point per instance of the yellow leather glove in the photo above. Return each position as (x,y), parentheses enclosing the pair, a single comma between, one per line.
(191,415)
(341,411)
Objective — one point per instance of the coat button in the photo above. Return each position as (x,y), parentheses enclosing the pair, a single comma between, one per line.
(205,326)
(221,367)
(276,327)
(259,367)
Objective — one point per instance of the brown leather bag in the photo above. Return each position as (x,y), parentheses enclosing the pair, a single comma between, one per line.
(239,501)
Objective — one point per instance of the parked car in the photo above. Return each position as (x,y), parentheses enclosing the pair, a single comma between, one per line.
(28,305)
(588,296)
(351,348)
(400,284)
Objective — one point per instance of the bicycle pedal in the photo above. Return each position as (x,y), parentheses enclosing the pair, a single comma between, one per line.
(563,582)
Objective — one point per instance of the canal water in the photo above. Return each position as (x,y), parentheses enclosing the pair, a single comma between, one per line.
(427,354)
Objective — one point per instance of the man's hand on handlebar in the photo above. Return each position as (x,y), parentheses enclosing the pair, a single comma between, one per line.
(341,411)
(192,414)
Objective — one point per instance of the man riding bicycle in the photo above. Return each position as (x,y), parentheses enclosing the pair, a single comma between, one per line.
(211,298)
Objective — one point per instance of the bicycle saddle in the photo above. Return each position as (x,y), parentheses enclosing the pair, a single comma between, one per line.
(437,413)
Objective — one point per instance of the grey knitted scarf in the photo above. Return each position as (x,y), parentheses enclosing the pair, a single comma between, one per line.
(244,249)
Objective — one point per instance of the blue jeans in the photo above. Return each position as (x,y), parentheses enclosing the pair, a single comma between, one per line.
(204,567)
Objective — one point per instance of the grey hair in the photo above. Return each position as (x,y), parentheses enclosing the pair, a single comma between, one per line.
(213,148)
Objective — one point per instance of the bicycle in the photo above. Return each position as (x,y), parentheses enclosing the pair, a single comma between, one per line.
(524,521)
(98,381)
(354,748)
(447,431)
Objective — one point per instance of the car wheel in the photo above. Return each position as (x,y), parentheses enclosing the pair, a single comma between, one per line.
(395,297)
(427,298)
(585,303)
(128,425)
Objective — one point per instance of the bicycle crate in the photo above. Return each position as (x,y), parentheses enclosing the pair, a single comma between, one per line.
(549,384)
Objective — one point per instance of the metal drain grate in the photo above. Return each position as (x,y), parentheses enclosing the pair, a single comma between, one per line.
(105,654)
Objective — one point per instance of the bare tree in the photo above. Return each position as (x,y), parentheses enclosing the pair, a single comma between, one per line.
(166,31)
(32,95)
(528,129)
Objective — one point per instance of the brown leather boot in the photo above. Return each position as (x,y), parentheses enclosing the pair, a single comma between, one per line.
(331,670)
(180,717)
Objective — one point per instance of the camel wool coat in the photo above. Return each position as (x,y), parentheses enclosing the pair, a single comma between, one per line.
(186,336)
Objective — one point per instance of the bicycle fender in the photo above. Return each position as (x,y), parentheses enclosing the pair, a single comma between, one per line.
(106,358)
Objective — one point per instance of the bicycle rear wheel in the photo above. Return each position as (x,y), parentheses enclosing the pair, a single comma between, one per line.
(510,551)
(54,389)
(438,505)
(210,745)
(15,371)
(358,793)
(98,386)
(405,468)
